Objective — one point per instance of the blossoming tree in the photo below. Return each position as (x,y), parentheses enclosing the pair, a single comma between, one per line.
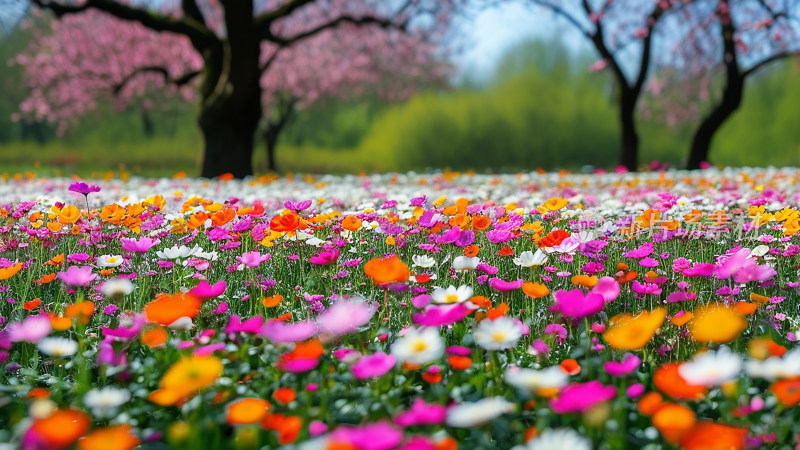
(244,51)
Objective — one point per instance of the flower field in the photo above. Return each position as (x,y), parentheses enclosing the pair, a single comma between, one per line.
(436,311)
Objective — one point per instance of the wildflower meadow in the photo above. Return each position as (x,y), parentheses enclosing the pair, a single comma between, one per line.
(402,311)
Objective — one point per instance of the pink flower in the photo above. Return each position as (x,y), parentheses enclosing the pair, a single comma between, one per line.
(345,317)
(645,288)
(436,316)
(124,333)
(207,350)
(743,268)
(372,436)
(575,305)
(83,188)
(77,276)
(579,397)
(619,369)
(640,252)
(635,390)
(375,365)
(32,329)
(253,259)
(505,286)
(252,325)
(205,291)
(422,413)
(699,270)
(279,332)
(325,257)
(559,330)
(141,246)
(608,288)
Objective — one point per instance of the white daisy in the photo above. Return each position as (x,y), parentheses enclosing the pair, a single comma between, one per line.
(470,414)
(58,346)
(497,334)
(465,263)
(451,294)
(532,380)
(103,401)
(560,439)
(419,346)
(530,259)
(712,368)
(423,261)
(117,288)
(106,261)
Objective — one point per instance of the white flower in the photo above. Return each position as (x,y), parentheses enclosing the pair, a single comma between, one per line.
(759,251)
(181,324)
(451,294)
(117,288)
(712,368)
(498,334)
(560,439)
(774,368)
(423,261)
(419,346)
(530,259)
(58,346)
(41,408)
(103,401)
(532,380)
(105,261)
(176,252)
(470,414)
(465,263)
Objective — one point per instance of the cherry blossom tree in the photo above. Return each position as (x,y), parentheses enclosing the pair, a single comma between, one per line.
(714,47)
(240,45)
(622,33)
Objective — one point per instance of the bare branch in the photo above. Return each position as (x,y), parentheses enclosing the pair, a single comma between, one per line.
(363,20)
(765,61)
(563,13)
(264,21)
(180,81)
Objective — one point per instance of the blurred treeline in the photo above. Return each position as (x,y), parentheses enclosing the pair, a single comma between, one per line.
(541,108)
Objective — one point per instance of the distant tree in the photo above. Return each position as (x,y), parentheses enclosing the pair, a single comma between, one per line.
(715,47)
(622,33)
(239,44)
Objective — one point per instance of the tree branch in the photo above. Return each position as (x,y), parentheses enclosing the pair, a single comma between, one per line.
(193,12)
(196,31)
(364,20)
(765,61)
(264,21)
(563,13)
(180,81)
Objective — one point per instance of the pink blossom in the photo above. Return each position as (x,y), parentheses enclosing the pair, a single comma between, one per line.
(640,252)
(608,288)
(205,291)
(635,390)
(372,436)
(619,369)
(372,366)
(325,257)
(124,333)
(559,330)
(317,427)
(279,332)
(435,316)
(207,350)
(252,325)
(345,317)
(579,397)
(32,329)
(699,270)
(505,286)
(574,304)
(422,413)
(77,276)
(743,268)
(645,288)
(138,246)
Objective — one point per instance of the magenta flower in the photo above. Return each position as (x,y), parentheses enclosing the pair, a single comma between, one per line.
(743,268)
(372,436)
(297,206)
(576,305)
(205,291)
(436,316)
(559,330)
(83,188)
(505,286)
(422,413)
(77,276)
(126,333)
(699,270)
(253,259)
(640,252)
(141,246)
(619,369)
(32,329)
(645,288)
(279,332)
(608,288)
(345,317)
(579,397)
(252,325)
(209,349)
(325,257)
(373,366)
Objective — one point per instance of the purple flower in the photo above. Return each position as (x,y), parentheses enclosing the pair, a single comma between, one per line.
(297,206)
(576,305)
(619,369)
(373,366)
(422,413)
(580,397)
(699,270)
(743,268)
(505,286)
(77,276)
(418,201)
(83,188)
(640,252)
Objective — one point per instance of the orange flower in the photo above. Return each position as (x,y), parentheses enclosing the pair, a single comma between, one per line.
(554,204)
(494,313)
(185,378)
(116,437)
(247,411)
(81,311)
(535,290)
(289,221)
(273,301)
(681,320)
(648,218)
(746,308)
(584,280)
(694,216)
(44,279)
(570,366)
(351,223)
(284,395)
(113,214)
(669,381)
(633,333)
(55,260)
(287,427)
(222,217)
(459,362)
(166,309)
(650,403)
(62,428)
(758,298)
(717,324)
(33,304)
(553,238)
(154,337)
(481,222)
(69,214)
(787,392)
(708,435)
(471,250)
(673,421)
(505,251)
(37,392)
(386,270)
(10,271)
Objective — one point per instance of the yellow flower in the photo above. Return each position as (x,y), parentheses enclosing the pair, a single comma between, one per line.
(186,377)
(633,333)
(717,324)
(554,204)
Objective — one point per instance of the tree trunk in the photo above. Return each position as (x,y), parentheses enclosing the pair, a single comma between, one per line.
(629,139)
(147,124)
(228,139)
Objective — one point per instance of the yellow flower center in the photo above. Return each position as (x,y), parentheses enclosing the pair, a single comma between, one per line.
(420,346)
(499,336)
(451,298)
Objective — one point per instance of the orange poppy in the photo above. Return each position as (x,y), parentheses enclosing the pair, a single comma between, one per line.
(787,392)
(554,238)
(554,204)
(535,290)
(44,279)
(62,428)
(648,218)
(481,301)
(694,216)
(273,301)
(113,214)
(284,395)
(708,435)
(669,381)
(185,377)
(584,280)
(59,323)
(287,427)
(117,437)
(746,308)
(247,411)
(351,223)
(499,311)
(458,362)
(681,320)
(481,222)
(570,366)
(717,324)
(10,271)
(627,332)
(81,311)
(33,304)
(155,337)
(471,250)
(69,214)
(386,270)
(505,251)
(222,217)
(166,309)
(650,403)
(673,421)
(289,221)
(758,298)
(55,260)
